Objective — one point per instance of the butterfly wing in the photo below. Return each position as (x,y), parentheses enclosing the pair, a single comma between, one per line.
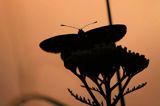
(60,43)
(70,42)
(110,33)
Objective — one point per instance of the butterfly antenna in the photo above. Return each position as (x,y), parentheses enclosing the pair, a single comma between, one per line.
(69,26)
(89,24)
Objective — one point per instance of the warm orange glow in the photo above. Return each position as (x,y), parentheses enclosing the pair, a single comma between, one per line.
(25,68)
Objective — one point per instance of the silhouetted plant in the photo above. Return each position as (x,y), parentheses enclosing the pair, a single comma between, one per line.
(99,63)
(105,61)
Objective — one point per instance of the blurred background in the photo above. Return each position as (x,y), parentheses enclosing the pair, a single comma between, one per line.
(26,69)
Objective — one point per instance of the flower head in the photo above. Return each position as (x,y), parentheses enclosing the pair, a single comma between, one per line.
(104,59)
(134,63)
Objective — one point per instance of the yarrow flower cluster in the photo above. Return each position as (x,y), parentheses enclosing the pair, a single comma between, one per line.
(104,60)
(99,62)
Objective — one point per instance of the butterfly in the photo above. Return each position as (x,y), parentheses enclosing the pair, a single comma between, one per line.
(84,40)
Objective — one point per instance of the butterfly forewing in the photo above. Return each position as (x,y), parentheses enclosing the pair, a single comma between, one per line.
(111,33)
(60,43)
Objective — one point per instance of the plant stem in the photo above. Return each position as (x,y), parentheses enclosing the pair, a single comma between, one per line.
(89,91)
(121,92)
(120,87)
(108,92)
(109,12)
(118,73)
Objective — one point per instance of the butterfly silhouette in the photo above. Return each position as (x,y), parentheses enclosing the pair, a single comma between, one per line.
(84,40)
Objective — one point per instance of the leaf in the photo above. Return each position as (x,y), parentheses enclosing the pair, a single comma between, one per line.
(81,98)
(92,88)
(135,88)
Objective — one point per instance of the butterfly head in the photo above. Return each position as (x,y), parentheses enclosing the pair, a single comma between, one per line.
(81,33)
